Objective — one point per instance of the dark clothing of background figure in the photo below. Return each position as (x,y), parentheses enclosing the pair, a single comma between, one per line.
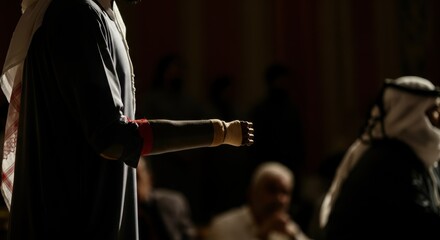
(281,143)
(389,193)
(166,216)
(76,68)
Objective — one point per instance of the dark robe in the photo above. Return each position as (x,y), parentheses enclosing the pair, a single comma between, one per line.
(76,89)
(387,195)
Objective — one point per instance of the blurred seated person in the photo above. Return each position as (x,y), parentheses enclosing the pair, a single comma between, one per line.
(265,216)
(163,214)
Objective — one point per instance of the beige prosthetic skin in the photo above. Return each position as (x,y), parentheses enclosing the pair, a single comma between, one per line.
(176,135)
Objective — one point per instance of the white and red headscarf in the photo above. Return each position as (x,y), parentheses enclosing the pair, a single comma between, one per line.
(10,80)
(403,116)
(30,20)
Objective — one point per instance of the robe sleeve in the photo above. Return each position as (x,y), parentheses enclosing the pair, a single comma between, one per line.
(86,75)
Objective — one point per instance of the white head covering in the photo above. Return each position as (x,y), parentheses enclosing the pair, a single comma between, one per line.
(10,80)
(401,114)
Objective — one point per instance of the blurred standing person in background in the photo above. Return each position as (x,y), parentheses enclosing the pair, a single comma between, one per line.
(280,142)
(236,162)
(167,99)
(284,144)
(72,142)
(222,96)
(386,186)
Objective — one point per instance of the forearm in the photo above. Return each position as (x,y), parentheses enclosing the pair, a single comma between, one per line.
(169,135)
(161,135)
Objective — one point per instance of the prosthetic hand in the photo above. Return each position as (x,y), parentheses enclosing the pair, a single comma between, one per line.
(235,133)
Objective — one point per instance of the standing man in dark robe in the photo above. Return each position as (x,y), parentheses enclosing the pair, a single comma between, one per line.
(71,141)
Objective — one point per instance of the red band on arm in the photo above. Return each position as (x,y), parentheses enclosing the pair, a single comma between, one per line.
(147,134)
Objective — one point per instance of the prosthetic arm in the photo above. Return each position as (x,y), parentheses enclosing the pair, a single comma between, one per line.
(161,136)
(171,136)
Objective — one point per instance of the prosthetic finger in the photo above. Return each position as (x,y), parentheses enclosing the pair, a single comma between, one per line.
(247,133)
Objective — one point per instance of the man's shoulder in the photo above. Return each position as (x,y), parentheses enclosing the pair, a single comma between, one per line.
(168,196)
(233,216)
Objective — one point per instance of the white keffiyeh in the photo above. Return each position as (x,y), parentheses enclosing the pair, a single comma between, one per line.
(405,119)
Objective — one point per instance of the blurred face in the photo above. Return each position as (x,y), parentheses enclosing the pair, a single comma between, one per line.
(271,194)
(433,114)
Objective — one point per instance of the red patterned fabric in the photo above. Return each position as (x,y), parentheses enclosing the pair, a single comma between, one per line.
(10,142)
(10,81)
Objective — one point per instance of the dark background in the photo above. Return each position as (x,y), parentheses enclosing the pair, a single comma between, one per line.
(339,50)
